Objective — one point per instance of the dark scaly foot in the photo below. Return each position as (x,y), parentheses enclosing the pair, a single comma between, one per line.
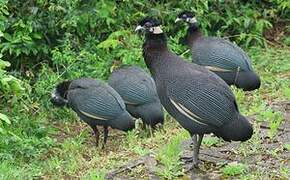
(96,131)
(195,152)
(151,131)
(144,126)
(106,132)
(199,140)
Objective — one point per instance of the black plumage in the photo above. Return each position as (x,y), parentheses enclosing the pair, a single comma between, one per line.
(197,98)
(221,56)
(138,90)
(96,103)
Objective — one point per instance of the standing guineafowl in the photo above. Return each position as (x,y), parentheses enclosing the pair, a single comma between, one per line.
(138,90)
(220,56)
(198,99)
(96,103)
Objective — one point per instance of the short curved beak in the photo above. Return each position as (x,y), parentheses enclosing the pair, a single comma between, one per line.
(177,20)
(139,28)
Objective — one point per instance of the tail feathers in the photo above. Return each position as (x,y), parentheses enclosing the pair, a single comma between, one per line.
(238,130)
(248,81)
(57,100)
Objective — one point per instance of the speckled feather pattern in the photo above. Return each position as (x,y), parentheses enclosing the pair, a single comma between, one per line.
(134,85)
(187,89)
(200,91)
(218,52)
(138,90)
(95,98)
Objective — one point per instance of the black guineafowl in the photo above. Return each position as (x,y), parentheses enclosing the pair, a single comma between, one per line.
(96,103)
(197,98)
(221,56)
(138,90)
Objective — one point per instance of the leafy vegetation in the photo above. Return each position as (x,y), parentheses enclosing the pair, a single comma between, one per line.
(234,169)
(169,157)
(43,42)
(211,141)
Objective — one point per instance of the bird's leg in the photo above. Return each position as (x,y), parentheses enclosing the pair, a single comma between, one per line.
(195,151)
(96,131)
(106,132)
(150,130)
(199,140)
(161,127)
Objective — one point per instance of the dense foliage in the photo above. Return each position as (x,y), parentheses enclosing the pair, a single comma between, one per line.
(40,30)
(43,42)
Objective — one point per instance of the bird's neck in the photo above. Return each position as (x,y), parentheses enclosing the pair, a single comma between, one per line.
(193,34)
(62,89)
(155,42)
(153,49)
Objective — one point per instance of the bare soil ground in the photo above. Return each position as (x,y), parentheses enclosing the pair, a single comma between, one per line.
(274,155)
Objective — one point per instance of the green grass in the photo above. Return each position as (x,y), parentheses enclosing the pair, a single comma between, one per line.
(233,169)
(211,141)
(287,146)
(169,155)
(46,142)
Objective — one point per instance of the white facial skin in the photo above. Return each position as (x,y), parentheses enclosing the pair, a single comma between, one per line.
(153,30)
(191,20)
(188,20)
(156,30)
(55,95)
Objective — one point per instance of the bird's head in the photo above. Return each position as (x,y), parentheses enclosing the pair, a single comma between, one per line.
(59,94)
(152,113)
(124,122)
(149,25)
(186,16)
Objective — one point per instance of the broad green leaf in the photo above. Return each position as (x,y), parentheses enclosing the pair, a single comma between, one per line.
(2,130)
(287,92)
(4,64)
(109,43)
(5,118)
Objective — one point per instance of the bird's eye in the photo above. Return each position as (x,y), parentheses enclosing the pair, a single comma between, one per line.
(147,24)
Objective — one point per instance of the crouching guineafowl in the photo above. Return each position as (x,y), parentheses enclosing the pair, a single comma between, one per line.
(197,98)
(224,58)
(96,103)
(138,90)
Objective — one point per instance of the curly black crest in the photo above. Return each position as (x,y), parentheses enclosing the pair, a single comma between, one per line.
(186,14)
(149,22)
(62,88)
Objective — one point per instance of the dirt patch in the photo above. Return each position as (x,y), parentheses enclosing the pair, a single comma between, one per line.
(271,155)
(146,163)
(65,131)
(278,32)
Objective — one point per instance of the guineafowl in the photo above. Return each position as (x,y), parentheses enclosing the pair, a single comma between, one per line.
(96,103)
(138,90)
(196,97)
(221,56)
